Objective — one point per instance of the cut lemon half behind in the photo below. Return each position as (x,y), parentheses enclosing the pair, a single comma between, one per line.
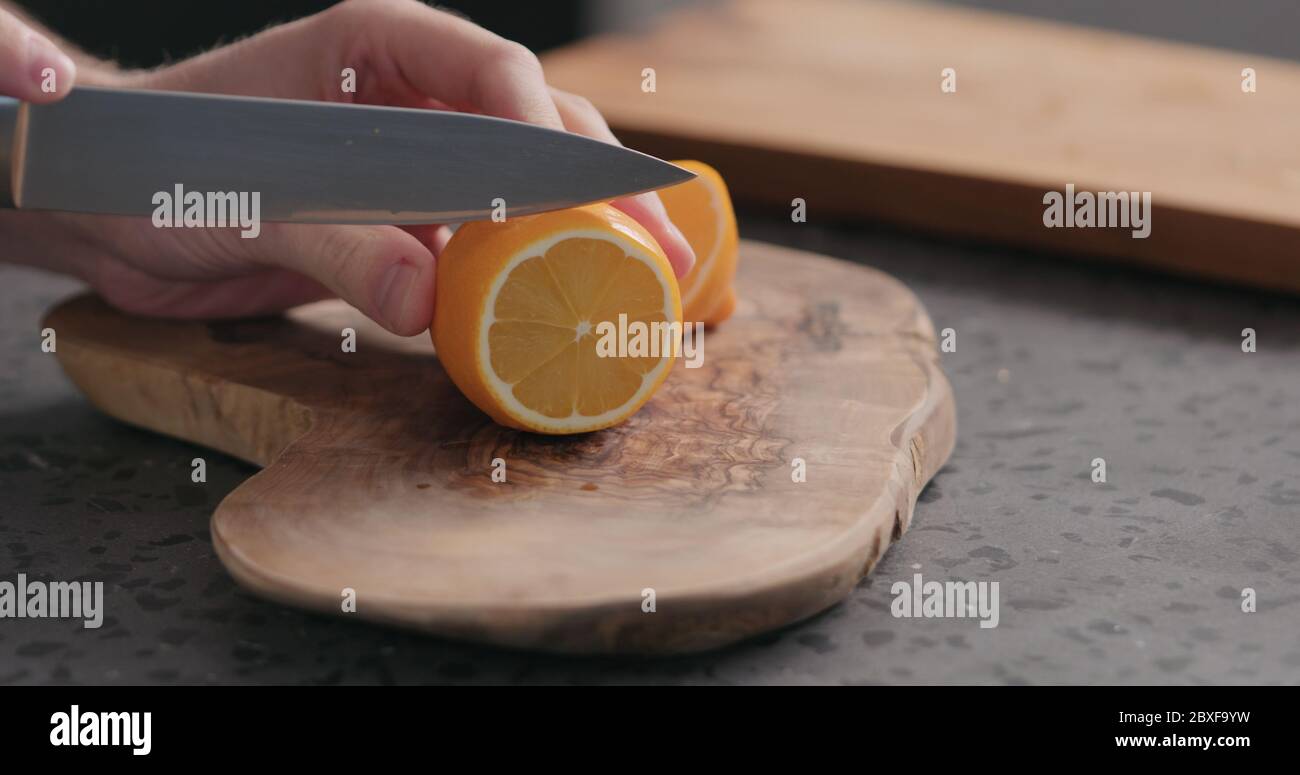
(524,309)
(701,208)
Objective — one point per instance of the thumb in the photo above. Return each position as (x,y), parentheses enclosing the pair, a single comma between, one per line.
(32,68)
(383,271)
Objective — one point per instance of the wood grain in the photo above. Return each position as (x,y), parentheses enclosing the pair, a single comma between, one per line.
(839,102)
(377,471)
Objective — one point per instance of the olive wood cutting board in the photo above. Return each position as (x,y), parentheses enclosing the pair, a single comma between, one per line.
(377,475)
(841,103)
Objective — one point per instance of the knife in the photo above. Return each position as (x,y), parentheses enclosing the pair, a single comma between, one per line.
(111,151)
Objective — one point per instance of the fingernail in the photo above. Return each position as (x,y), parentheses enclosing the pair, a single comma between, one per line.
(681,236)
(43,57)
(394,287)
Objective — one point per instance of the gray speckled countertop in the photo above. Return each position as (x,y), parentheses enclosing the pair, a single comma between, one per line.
(1057,362)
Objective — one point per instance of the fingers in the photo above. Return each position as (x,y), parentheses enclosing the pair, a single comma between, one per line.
(426,233)
(463,65)
(383,271)
(580,116)
(451,59)
(433,236)
(28,61)
(258,293)
(648,210)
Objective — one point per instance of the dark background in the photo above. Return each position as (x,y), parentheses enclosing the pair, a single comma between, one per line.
(145,33)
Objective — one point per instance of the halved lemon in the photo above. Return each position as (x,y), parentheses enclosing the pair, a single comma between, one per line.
(701,208)
(524,309)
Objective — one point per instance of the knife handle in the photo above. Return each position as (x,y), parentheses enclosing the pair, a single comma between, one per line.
(12,131)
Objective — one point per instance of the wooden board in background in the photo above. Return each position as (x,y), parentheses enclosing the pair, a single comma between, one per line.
(839,102)
(377,471)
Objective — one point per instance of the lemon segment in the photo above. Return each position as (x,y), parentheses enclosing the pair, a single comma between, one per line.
(702,209)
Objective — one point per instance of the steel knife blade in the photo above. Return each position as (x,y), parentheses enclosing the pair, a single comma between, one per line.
(110,151)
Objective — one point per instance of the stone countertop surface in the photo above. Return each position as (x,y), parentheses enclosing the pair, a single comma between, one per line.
(1058,362)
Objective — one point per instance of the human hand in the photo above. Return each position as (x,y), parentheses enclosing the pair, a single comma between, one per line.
(404,54)
(29,60)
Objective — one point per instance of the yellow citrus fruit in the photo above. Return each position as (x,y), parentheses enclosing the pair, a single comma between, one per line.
(525,308)
(701,208)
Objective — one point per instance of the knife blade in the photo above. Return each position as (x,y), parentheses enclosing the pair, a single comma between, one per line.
(111,151)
